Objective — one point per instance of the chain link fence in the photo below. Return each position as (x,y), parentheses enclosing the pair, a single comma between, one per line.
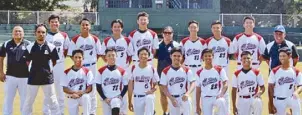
(35,17)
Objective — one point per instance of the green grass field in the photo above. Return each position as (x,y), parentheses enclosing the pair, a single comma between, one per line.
(37,109)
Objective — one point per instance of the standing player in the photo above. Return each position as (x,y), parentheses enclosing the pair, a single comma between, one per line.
(142,85)
(112,85)
(91,46)
(16,71)
(77,83)
(192,47)
(143,37)
(284,86)
(124,50)
(42,56)
(221,50)
(248,41)
(61,41)
(211,86)
(246,82)
(173,81)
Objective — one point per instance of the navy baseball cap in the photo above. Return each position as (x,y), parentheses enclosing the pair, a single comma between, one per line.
(279,28)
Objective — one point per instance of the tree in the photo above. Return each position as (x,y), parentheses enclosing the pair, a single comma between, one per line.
(31,5)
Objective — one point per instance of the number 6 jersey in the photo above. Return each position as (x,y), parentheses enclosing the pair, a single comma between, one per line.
(77,80)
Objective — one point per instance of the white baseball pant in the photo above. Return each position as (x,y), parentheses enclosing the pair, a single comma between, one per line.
(114,103)
(124,108)
(144,104)
(49,95)
(93,69)
(58,71)
(73,105)
(227,93)
(11,85)
(208,104)
(194,70)
(247,106)
(183,108)
(282,104)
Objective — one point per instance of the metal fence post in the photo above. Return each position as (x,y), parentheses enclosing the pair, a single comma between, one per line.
(96,18)
(221,19)
(7,16)
(37,17)
(281,19)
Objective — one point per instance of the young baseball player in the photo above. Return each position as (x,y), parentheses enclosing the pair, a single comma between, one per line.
(174,82)
(143,37)
(91,46)
(77,83)
(15,78)
(246,83)
(221,50)
(112,84)
(211,86)
(142,85)
(192,47)
(248,41)
(61,41)
(284,86)
(42,57)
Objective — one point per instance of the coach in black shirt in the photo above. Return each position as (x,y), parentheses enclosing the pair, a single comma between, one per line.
(16,75)
(42,57)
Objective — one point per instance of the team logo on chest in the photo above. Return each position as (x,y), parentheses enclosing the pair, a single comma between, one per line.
(142,78)
(76,81)
(218,49)
(176,80)
(86,47)
(247,83)
(118,48)
(192,52)
(57,43)
(284,80)
(208,81)
(248,46)
(143,42)
(109,81)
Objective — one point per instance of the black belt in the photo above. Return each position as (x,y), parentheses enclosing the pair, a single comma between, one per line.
(209,96)
(70,97)
(138,60)
(90,64)
(139,96)
(175,96)
(247,97)
(252,63)
(280,98)
(193,65)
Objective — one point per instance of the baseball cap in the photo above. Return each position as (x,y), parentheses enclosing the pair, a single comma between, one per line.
(279,28)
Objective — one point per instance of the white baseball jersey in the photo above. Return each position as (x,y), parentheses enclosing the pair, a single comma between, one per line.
(77,80)
(285,81)
(143,78)
(210,81)
(247,83)
(221,49)
(61,41)
(123,47)
(177,80)
(147,39)
(192,50)
(90,45)
(112,81)
(253,43)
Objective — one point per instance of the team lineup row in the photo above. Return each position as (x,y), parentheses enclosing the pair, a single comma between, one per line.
(178,70)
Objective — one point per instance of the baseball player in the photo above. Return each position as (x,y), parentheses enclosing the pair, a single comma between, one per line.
(17,73)
(77,83)
(173,81)
(142,85)
(246,83)
(61,41)
(192,47)
(248,41)
(42,56)
(112,85)
(124,50)
(211,86)
(91,46)
(221,50)
(284,86)
(143,37)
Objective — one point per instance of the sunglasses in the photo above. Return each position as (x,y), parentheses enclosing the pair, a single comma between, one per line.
(168,33)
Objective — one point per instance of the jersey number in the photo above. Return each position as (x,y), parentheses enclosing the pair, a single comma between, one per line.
(115,87)
(213,86)
(81,87)
(181,86)
(252,89)
(196,57)
(122,54)
(291,86)
(222,55)
(146,86)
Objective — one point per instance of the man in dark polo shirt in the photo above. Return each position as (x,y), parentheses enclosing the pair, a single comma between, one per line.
(271,54)
(16,70)
(164,60)
(42,57)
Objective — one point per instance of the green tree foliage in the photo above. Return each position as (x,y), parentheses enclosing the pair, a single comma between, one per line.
(31,5)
